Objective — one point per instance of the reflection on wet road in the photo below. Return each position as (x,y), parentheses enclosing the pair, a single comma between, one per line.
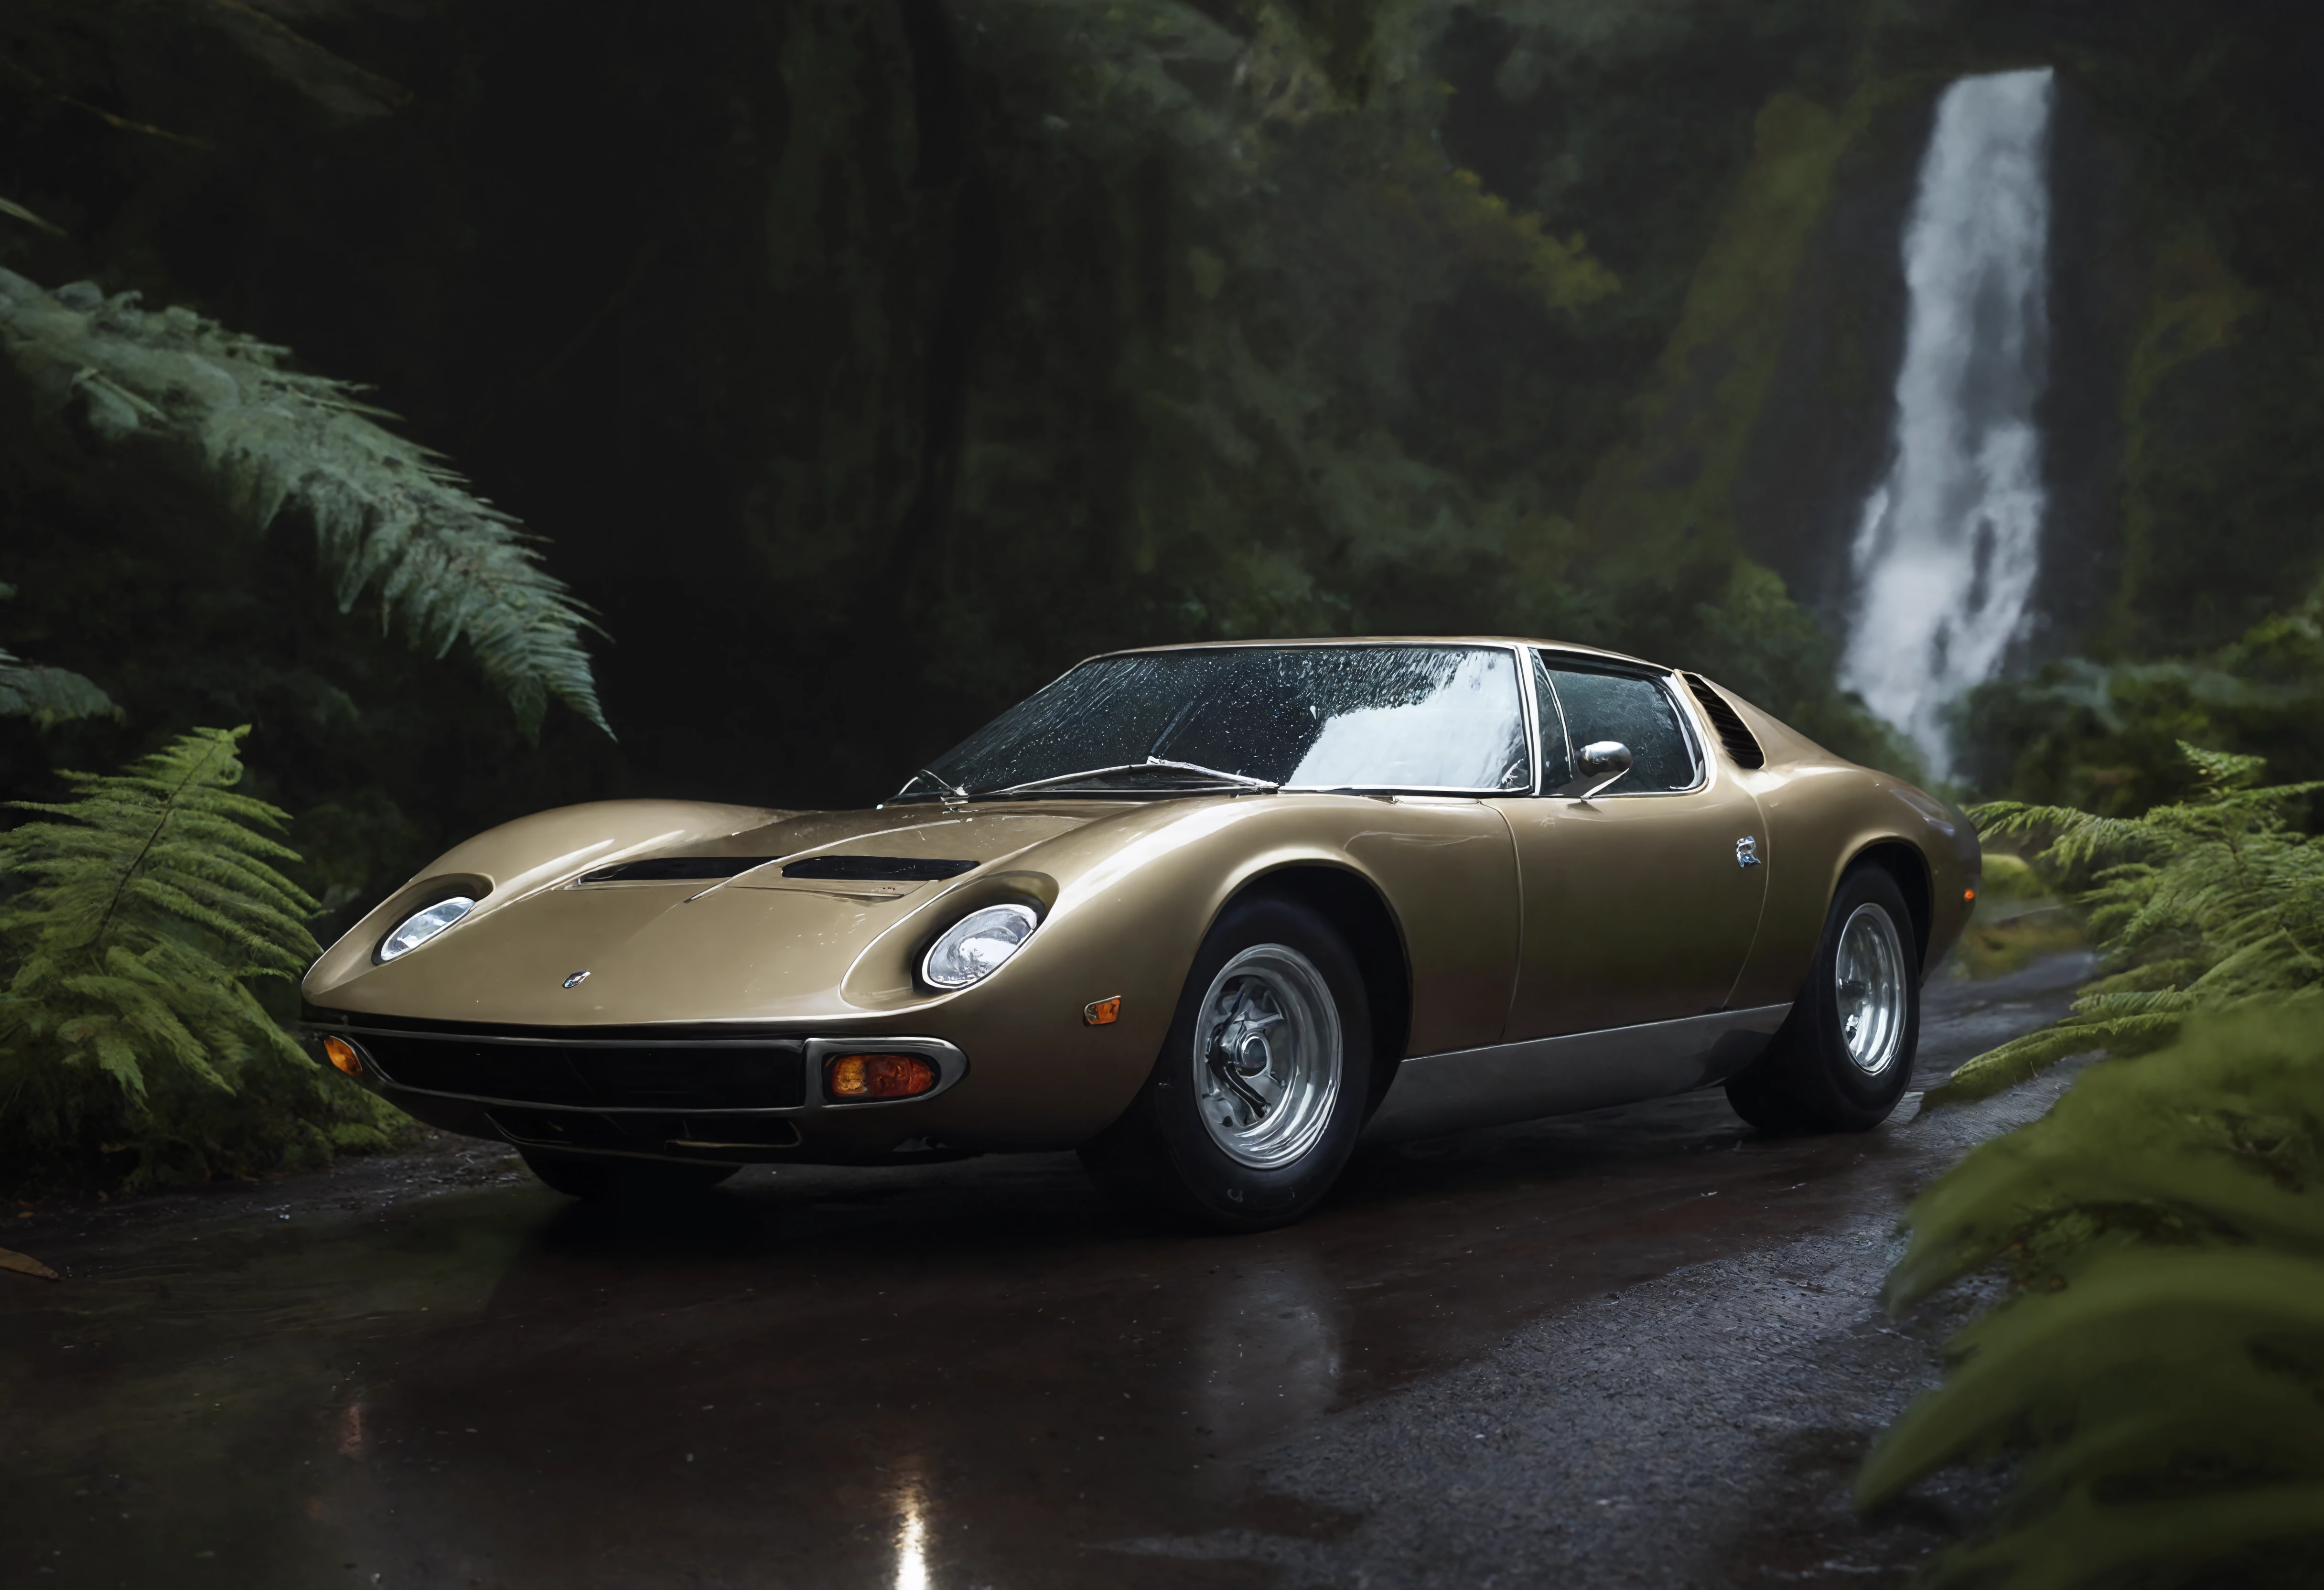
(951,1376)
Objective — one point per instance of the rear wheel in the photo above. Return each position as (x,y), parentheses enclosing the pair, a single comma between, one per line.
(600,1178)
(1252,1108)
(1845,1053)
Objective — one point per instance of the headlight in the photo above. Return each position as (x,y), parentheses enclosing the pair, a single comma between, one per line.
(974,947)
(423,925)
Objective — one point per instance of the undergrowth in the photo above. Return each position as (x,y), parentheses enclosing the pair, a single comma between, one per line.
(2158,1370)
(2209,903)
(147,916)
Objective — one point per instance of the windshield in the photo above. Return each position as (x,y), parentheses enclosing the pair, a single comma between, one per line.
(1297,717)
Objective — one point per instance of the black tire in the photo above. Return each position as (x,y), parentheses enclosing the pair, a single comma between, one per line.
(1162,1157)
(1807,1082)
(600,1179)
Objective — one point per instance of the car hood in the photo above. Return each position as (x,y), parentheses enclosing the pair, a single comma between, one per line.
(755,946)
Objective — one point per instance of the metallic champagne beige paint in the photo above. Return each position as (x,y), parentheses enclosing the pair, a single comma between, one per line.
(1519,918)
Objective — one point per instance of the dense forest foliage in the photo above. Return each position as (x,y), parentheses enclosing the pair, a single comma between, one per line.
(865,364)
(821,376)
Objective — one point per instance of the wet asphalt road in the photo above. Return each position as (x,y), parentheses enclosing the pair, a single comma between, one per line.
(1636,1346)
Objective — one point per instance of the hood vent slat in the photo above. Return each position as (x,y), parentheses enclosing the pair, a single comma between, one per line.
(676,869)
(880,868)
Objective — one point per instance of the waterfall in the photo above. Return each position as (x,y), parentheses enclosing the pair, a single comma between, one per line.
(1949,543)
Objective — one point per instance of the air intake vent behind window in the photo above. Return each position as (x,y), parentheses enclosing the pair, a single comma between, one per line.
(1723,717)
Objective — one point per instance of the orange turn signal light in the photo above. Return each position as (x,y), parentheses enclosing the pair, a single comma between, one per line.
(1102,1013)
(1970,896)
(342,1054)
(877,1076)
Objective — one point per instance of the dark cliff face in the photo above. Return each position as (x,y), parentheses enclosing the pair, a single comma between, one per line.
(868,364)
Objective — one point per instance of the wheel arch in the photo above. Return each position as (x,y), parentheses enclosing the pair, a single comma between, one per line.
(1354,905)
(1903,862)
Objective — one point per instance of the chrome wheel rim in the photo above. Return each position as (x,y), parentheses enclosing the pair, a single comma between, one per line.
(1868,974)
(1266,1056)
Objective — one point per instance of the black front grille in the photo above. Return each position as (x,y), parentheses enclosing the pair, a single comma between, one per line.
(1739,742)
(770,1075)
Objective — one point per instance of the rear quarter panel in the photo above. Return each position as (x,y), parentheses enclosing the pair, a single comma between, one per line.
(1823,812)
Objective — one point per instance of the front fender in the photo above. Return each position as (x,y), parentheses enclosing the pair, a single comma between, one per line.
(1134,897)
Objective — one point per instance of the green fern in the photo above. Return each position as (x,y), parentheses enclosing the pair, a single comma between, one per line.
(146,915)
(2210,903)
(143,920)
(2160,1371)
(390,518)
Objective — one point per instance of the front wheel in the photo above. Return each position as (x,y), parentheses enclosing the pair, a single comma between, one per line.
(1253,1107)
(1845,1053)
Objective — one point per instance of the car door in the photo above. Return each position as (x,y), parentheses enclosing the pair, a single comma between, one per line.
(1639,904)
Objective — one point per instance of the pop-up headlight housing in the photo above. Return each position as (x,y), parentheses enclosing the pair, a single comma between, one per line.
(424,925)
(975,947)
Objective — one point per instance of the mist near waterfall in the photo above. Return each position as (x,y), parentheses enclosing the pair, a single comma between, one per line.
(1948,545)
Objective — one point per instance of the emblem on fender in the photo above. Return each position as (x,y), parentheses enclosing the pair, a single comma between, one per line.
(1746,854)
(577,979)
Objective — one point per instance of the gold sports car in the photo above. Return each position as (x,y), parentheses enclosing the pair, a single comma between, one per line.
(1211,914)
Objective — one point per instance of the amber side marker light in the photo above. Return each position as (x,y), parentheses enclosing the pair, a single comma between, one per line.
(1970,896)
(342,1054)
(1102,1013)
(877,1076)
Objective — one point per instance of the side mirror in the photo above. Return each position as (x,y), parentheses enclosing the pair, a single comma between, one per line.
(1600,764)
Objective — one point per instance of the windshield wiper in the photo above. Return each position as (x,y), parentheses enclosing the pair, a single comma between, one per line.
(951,792)
(1242,780)
(1245,779)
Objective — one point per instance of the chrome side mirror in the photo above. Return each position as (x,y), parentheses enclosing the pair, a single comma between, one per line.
(1600,764)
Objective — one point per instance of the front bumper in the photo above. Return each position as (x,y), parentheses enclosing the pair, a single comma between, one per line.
(656,1092)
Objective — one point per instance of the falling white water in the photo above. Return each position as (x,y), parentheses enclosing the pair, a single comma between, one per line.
(1946,554)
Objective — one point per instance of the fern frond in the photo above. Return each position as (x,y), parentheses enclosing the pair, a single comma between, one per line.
(142,917)
(2224,1135)
(2222,770)
(2158,1361)
(2015,819)
(2271,964)
(2022,1059)
(2156,1372)
(392,519)
(2144,1002)
(2130,1308)
(2203,905)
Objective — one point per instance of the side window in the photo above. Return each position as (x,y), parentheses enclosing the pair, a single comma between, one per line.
(1556,759)
(1638,713)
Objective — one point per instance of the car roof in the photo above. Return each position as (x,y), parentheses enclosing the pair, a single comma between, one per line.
(1564,645)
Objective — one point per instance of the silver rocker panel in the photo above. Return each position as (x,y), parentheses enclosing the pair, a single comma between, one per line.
(1463,1088)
